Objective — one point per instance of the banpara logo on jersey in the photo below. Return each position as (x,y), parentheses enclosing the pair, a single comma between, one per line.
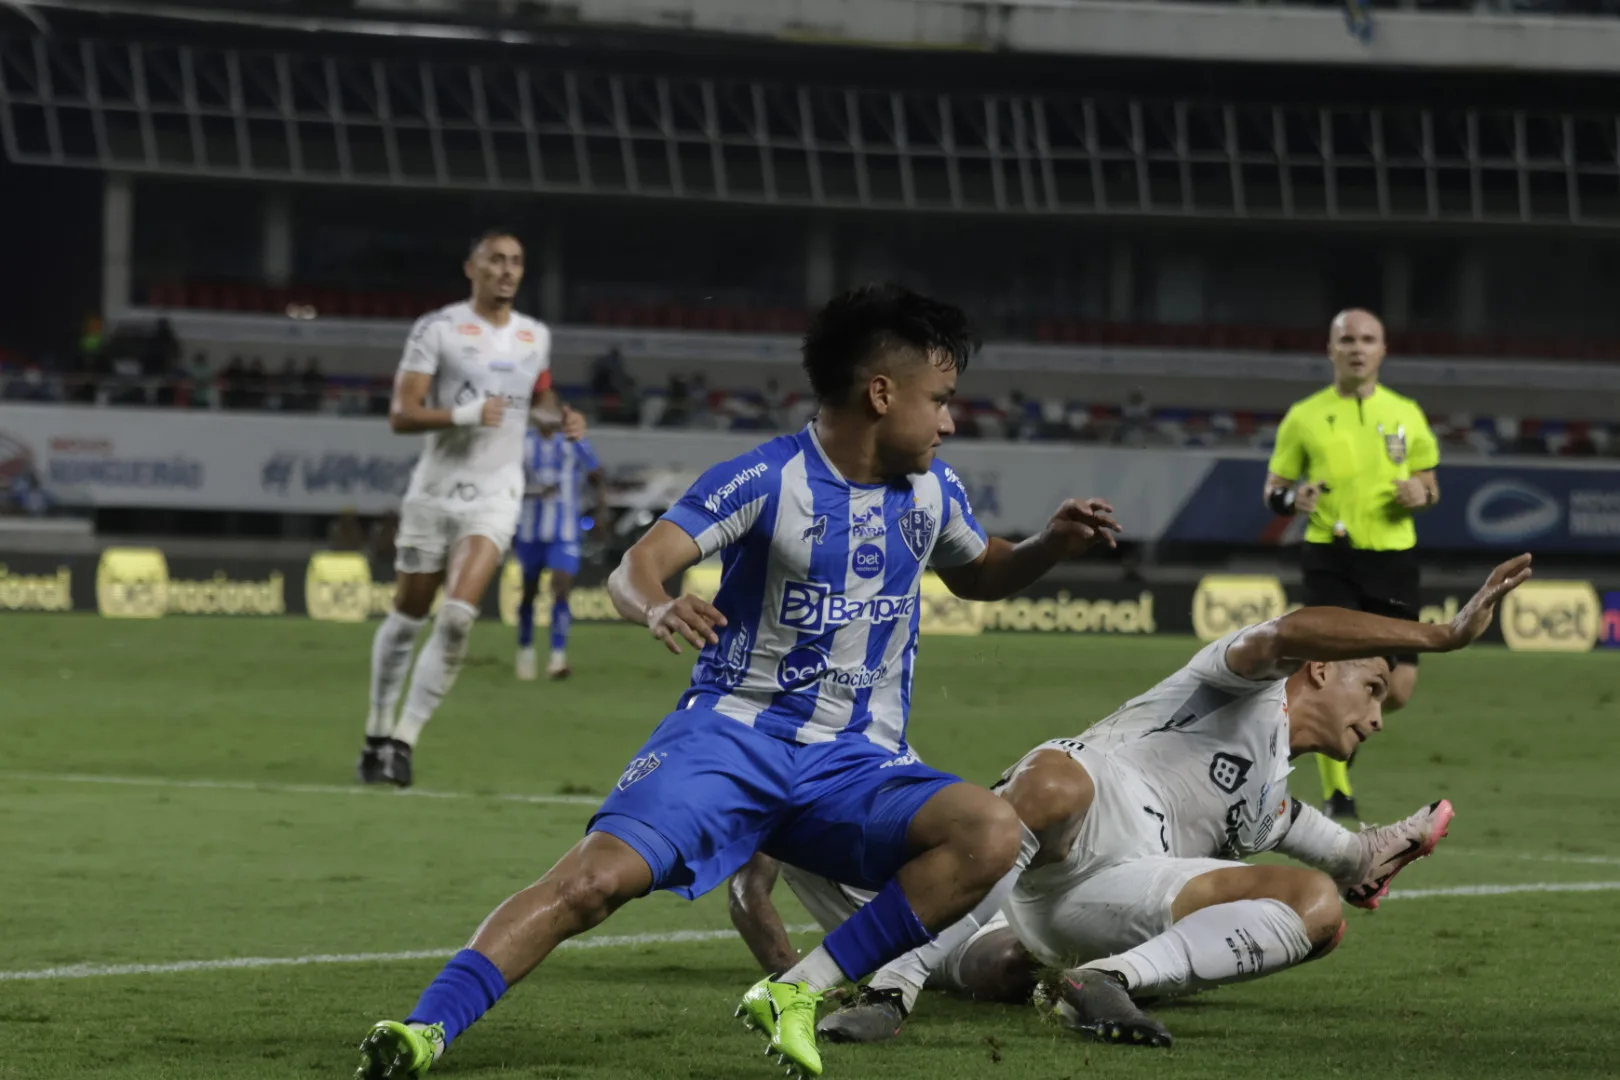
(813,608)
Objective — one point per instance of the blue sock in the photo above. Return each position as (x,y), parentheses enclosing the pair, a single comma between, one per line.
(467,988)
(879,932)
(561,617)
(525,622)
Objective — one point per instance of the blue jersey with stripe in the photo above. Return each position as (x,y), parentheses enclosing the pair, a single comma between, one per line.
(554,471)
(820,584)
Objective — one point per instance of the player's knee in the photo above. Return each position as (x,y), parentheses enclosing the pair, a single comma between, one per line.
(1315,898)
(1050,791)
(592,893)
(992,845)
(1326,945)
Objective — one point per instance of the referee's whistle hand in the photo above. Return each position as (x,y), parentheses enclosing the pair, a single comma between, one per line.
(1411,493)
(1305,497)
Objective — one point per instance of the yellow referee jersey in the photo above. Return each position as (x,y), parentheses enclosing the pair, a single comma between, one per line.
(1358,447)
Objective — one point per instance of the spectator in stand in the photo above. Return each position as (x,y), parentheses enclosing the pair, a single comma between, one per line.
(613,388)
(232,384)
(29,385)
(285,388)
(380,539)
(345,532)
(677,403)
(90,343)
(200,382)
(257,382)
(1135,418)
(314,381)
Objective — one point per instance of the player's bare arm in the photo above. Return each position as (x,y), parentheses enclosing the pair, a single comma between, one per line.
(1323,634)
(1005,569)
(1284,496)
(409,413)
(1419,492)
(637,589)
(755,916)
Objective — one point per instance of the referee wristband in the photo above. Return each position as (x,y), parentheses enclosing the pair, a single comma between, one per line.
(468,413)
(1281,501)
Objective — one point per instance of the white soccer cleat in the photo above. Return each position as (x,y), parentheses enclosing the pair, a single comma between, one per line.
(1388,849)
(527,667)
(558,667)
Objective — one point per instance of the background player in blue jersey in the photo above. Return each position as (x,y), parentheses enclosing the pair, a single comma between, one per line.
(792,737)
(555,469)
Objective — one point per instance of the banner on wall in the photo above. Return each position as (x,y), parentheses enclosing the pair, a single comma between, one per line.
(289,463)
(143,583)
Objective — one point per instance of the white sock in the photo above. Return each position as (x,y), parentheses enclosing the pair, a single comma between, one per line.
(436,668)
(1320,842)
(1225,943)
(909,973)
(818,968)
(390,659)
(559,656)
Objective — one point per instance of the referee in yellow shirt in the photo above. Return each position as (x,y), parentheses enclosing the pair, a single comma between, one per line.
(1359,459)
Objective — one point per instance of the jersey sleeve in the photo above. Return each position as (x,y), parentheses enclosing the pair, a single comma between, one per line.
(725,503)
(585,454)
(1209,667)
(1288,456)
(422,346)
(961,538)
(1422,449)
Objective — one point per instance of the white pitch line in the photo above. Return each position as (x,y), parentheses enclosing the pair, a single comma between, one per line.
(602,941)
(294,789)
(1530,856)
(1504,890)
(605,941)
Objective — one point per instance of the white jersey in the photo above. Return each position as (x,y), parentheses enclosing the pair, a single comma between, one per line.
(1211,748)
(471,360)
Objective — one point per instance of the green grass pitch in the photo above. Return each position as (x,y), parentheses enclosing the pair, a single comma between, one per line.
(245,838)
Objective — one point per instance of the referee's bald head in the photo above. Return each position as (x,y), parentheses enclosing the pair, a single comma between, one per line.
(1356,347)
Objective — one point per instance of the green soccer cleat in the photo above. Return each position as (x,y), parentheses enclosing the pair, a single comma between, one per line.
(785,1013)
(395,1051)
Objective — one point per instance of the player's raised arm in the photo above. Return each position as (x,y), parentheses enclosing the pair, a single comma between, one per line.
(1004,569)
(755,916)
(1331,633)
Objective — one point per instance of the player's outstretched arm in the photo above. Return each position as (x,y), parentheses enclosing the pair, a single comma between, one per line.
(1005,569)
(1329,633)
(637,589)
(755,915)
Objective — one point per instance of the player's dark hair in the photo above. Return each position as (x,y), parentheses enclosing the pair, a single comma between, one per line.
(857,327)
(490,234)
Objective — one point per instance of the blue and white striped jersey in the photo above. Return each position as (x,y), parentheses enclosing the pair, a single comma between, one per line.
(558,468)
(820,583)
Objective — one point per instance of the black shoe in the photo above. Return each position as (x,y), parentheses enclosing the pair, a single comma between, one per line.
(1099,1007)
(397,763)
(874,1015)
(1341,807)
(370,768)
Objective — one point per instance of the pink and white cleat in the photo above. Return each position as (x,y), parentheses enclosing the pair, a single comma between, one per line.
(1388,849)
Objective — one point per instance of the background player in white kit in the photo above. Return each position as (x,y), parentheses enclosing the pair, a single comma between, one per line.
(1141,819)
(466,380)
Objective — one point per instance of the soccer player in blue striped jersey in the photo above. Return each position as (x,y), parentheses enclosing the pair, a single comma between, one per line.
(548,534)
(792,737)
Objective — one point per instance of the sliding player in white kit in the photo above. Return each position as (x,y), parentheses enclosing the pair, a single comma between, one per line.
(1141,820)
(466,380)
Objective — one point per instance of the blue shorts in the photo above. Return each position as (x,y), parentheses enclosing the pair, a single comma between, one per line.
(707,791)
(555,555)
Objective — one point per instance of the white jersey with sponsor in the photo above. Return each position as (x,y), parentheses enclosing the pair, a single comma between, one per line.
(1211,749)
(471,360)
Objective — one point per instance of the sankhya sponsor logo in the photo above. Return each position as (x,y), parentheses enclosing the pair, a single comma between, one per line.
(805,667)
(812,607)
(713,503)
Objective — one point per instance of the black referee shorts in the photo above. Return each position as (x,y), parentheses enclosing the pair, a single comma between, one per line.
(1380,582)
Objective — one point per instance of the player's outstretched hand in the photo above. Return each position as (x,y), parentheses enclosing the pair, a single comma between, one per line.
(1081,524)
(690,617)
(573,425)
(494,409)
(1476,615)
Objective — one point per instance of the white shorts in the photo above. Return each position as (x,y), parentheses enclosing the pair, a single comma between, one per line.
(429,527)
(1116,888)
(830,903)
